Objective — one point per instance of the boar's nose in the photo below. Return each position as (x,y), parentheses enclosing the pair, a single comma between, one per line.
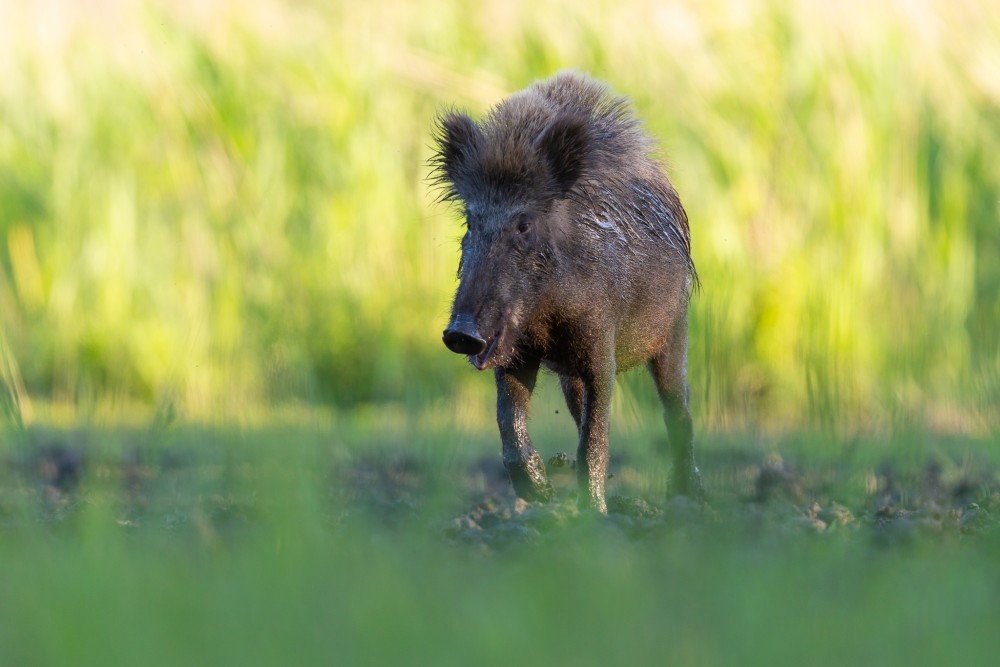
(462,337)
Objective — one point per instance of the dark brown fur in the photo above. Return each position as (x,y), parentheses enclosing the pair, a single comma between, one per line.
(576,256)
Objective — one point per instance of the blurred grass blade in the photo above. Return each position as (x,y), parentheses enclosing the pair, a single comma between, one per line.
(15,407)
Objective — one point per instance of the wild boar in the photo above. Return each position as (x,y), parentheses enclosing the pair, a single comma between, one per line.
(576,257)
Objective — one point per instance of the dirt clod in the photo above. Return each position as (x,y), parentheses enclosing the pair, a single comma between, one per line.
(559,463)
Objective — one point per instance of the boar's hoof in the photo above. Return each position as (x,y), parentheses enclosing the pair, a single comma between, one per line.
(687,484)
(528,478)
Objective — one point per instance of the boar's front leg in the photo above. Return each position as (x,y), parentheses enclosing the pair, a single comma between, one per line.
(520,458)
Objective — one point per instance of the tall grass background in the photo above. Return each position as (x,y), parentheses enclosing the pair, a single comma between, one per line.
(212,209)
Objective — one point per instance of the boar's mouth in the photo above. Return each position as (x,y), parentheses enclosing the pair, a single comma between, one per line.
(484,359)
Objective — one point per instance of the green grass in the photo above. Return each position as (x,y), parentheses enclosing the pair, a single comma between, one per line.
(329,544)
(398,601)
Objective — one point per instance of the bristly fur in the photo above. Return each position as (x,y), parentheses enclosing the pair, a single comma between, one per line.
(576,258)
(565,137)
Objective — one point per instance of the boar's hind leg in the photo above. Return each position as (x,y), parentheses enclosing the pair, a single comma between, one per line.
(669,371)
(572,388)
(520,458)
(592,454)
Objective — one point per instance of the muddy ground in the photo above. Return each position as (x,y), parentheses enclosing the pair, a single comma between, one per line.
(51,479)
(754,498)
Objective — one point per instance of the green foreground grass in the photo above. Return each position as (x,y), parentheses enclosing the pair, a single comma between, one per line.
(334,544)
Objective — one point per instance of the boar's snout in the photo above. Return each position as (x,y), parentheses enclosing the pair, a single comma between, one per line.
(462,336)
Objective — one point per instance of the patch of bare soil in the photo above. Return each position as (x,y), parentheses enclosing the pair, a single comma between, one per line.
(766,498)
(56,474)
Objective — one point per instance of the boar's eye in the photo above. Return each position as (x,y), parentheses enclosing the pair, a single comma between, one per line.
(523,223)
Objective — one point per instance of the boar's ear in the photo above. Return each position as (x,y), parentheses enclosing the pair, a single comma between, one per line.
(566,147)
(458,140)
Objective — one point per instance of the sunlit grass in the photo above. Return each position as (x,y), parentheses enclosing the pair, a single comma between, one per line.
(217,207)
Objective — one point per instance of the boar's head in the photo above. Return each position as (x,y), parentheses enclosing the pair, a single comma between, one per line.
(514,173)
